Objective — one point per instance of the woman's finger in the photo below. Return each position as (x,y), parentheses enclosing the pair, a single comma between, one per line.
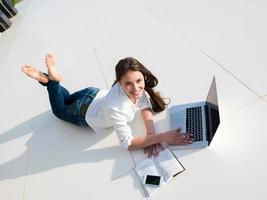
(150,153)
(178,129)
(188,134)
(145,150)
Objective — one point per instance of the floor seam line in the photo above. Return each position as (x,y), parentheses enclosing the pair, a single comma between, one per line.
(97,59)
(203,52)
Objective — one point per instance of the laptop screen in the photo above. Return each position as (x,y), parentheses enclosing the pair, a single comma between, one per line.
(212,95)
(212,111)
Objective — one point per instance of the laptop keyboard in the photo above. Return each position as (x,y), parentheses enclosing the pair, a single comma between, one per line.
(194,122)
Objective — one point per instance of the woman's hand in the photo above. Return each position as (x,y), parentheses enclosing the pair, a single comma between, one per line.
(153,150)
(175,137)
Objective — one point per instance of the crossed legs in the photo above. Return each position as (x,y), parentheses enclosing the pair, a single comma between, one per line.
(58,95)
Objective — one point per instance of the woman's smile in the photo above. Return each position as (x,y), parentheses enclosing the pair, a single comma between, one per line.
(133,84)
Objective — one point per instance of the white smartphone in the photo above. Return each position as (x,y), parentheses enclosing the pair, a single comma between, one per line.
(152,180)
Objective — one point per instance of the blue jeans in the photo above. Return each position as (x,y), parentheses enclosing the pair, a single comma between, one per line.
(70,107)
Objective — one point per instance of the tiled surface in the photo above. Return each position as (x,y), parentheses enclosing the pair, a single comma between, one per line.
(127,185)
(185,44)
(193,71)
(226,31)
(82,161)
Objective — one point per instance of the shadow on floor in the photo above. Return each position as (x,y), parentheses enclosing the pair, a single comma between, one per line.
(55,144)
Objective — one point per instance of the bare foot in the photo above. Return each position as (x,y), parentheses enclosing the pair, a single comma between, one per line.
(34,73)
(51,66)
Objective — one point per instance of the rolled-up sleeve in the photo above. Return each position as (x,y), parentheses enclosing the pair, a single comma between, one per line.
(145,101)
(122,129)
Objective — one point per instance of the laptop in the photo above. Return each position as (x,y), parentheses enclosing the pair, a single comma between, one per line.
(200,118)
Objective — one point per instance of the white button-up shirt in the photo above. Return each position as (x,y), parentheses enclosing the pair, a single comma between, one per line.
(113,108)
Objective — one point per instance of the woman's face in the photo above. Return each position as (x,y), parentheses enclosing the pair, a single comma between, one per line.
(133,84)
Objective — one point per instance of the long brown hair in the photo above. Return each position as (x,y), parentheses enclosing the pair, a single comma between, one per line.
(126,64)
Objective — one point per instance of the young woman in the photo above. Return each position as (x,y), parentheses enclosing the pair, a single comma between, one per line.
(100,109)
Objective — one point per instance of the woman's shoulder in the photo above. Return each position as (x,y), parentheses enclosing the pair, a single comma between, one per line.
(116,98)
(144,101)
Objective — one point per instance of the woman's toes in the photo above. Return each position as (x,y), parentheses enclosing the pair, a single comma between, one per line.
(24,68)
(52,72)
(50,60)
(34,73)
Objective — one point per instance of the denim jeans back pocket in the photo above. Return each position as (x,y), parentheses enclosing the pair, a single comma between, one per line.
(74,108)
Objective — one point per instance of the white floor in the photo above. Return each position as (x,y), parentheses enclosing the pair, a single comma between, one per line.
(185,43)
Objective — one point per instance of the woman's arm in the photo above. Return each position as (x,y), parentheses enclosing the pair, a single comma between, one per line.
(147,117)
(150,139)
(139,142)
(174,137)
(170,137)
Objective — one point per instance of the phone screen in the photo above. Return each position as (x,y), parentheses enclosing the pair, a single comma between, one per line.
(154,180)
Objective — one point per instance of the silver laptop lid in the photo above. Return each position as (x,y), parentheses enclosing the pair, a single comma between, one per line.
(212,95)
(212,111)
